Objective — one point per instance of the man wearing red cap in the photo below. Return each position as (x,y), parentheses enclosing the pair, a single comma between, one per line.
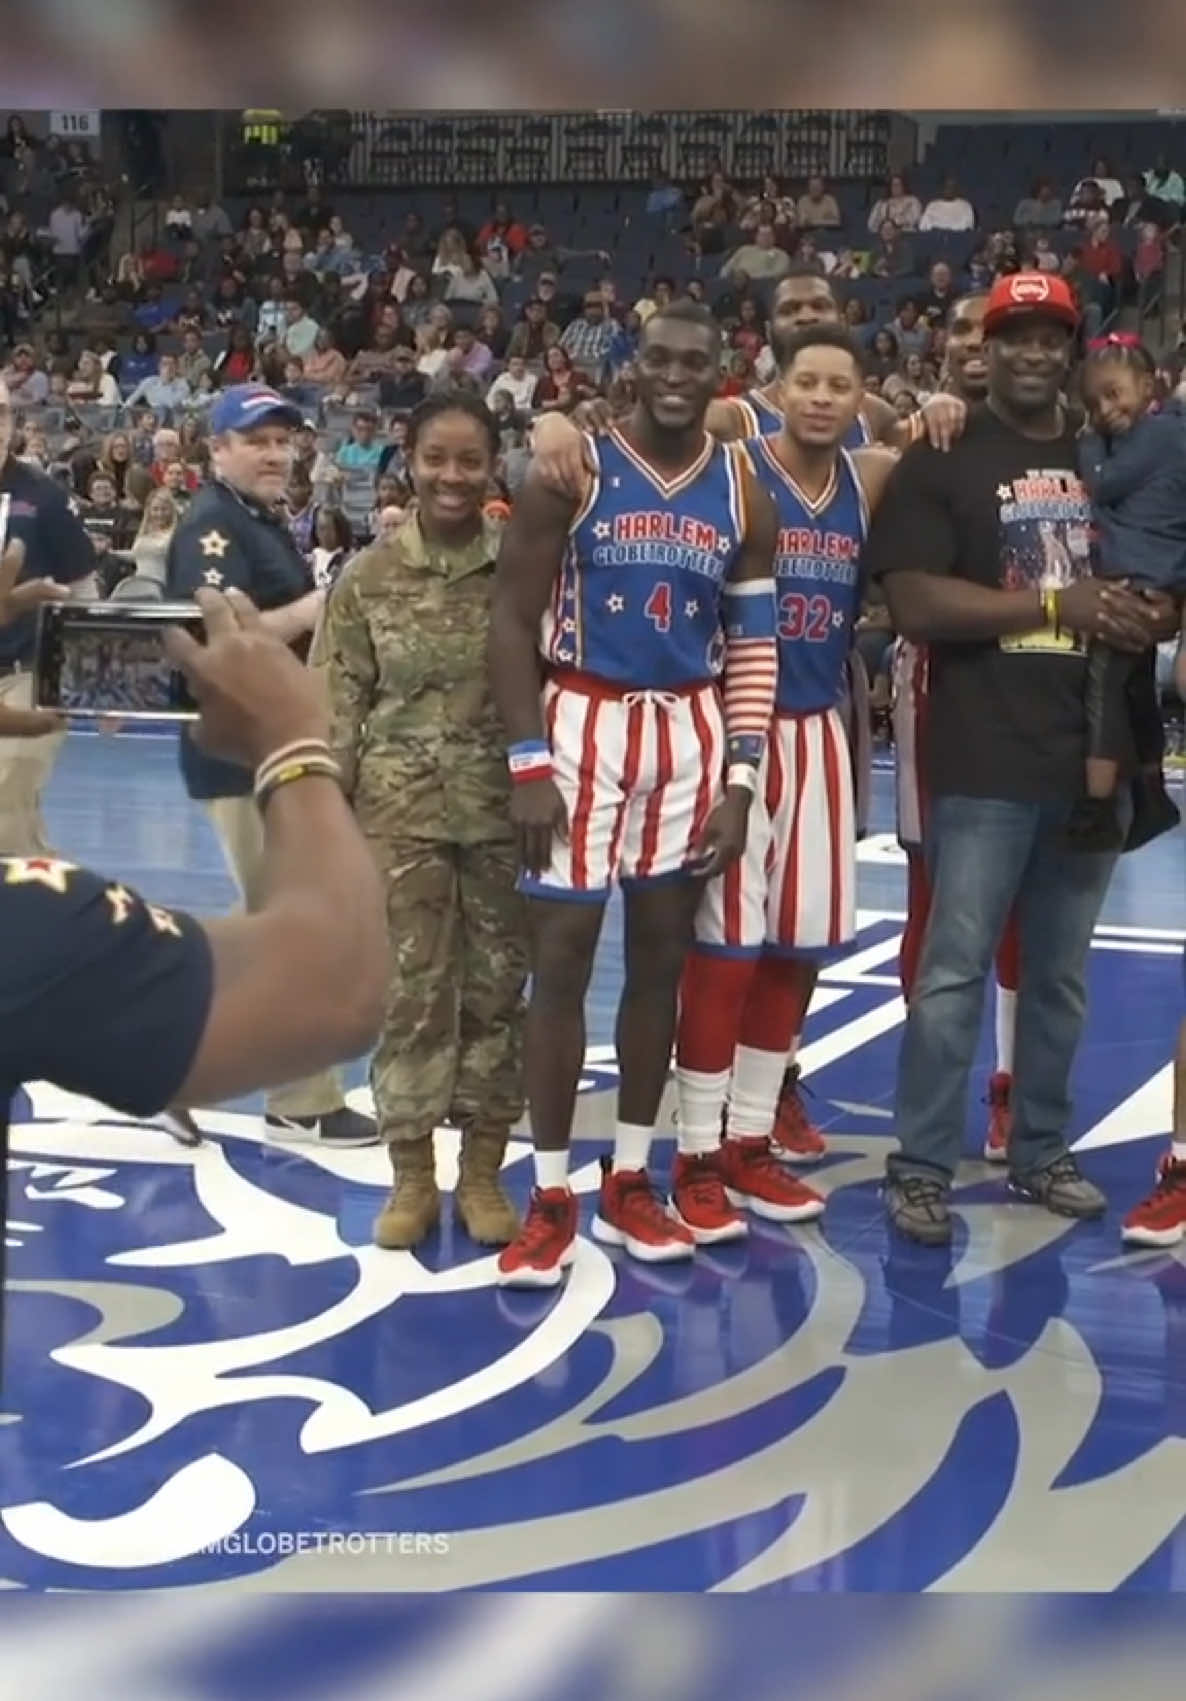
(985,556)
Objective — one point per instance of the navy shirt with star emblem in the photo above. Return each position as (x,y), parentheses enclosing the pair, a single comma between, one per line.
(100,993)
(224,541)
(56,546)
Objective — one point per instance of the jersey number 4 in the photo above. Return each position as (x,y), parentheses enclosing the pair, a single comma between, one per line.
(658,607)
(804,617)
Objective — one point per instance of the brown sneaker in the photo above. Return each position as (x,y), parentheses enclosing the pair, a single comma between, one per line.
(413,1206)
(480,1203)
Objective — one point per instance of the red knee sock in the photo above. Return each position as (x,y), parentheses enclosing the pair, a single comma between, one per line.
(1009,955)
(773,1020)
(713,995)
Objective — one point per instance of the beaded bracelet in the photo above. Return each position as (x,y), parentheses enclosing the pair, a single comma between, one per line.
(323,767)
(298,750)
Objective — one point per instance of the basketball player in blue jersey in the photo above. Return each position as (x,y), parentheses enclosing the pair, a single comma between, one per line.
(631,766)
(802,299)
(790,900)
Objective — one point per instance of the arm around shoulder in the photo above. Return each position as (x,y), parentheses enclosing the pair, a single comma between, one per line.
(532,552)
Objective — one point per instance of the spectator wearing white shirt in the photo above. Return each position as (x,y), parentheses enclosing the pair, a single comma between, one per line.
(949,210)
(471,283)
(898,206)
(516,382)
(300,329)
(272,321)
(1110,185)
(91,384)
(67,229)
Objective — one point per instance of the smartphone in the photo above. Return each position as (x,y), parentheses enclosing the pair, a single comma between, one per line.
(108,658)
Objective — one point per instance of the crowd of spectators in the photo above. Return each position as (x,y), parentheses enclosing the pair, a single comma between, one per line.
(113,399)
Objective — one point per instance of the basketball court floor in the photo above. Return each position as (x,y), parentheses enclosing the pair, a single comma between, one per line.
(214,1381)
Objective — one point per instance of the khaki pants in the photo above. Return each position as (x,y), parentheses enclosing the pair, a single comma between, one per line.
(25,767)
(241,834)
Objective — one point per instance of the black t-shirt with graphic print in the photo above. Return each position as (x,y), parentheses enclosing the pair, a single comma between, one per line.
(1006,716)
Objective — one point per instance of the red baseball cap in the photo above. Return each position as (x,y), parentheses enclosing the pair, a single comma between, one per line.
(1030,292)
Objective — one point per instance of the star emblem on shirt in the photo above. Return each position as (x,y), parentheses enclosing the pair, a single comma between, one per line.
(1004,491)
(615,603)
(615,483)
(602,529)
(214,543)
(39,871)
(691,608)
(212,577)
(565,653)
(838,619)
(568,625)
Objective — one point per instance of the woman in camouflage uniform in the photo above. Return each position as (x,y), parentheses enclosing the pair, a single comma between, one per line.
(403,644)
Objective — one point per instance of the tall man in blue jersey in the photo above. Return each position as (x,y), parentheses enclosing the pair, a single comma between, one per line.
(791,898)
(804,299)
(629,767)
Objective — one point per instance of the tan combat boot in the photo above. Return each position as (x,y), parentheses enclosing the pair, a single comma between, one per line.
(479,1203)
(413,1206)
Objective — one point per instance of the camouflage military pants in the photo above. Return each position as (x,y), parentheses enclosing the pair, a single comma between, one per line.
(452,1042)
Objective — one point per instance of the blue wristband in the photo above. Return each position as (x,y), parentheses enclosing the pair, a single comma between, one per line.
(529,747)
(747,747)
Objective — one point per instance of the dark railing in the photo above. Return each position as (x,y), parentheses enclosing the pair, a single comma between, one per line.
(411,150)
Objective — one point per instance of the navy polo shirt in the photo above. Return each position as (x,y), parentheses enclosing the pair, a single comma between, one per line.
(56,546)
(226,541)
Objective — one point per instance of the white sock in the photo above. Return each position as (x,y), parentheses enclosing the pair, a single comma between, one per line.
(753,1098)
(1178,1151)
(1006,1029)
(702,1099)
(551,1169)
(632,1145)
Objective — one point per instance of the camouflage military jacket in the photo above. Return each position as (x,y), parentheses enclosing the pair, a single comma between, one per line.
(403,645)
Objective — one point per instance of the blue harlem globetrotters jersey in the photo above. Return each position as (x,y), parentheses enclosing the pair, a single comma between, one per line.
(817,577)
(760,414)
(638,598)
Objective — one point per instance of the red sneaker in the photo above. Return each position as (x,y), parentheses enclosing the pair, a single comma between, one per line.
(1160,1220)
(796,1139)
(698,1199)
(756,1181)
(629,1215)
(545,1245)
(1000,1118)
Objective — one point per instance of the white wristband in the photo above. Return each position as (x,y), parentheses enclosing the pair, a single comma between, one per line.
(742,774)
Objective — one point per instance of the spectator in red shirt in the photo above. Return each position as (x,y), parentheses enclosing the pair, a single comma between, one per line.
(749,337)
(1101,257)
(504,229)
(741,376)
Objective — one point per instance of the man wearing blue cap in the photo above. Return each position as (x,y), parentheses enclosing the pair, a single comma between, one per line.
(235,536)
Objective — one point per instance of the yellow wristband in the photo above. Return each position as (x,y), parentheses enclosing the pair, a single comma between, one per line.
(1050,608)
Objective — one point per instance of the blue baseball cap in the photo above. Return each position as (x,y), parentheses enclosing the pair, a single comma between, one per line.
(247,405)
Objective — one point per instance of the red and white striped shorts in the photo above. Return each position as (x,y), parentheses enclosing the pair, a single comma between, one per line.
(910,694)
(639,771)
(794,887)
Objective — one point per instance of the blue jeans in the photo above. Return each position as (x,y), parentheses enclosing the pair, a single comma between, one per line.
(987,855)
